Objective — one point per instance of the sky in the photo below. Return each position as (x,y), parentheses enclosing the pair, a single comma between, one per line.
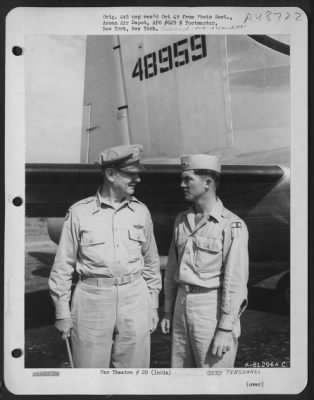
(54,89)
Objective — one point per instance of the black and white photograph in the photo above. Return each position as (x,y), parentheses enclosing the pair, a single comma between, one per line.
(159,157)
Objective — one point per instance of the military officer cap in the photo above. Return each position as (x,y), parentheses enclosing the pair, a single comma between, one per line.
(125,158)
(201,161)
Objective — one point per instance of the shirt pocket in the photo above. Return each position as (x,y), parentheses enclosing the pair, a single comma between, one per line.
(136,239)
(207,253)
(92,246)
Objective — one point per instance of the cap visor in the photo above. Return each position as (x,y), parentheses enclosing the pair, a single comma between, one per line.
(132,168)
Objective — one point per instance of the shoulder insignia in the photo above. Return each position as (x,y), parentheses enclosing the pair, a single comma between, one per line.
(235,228)
(138,226)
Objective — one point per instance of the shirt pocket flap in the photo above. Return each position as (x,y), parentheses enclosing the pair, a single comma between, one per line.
(209,244)
(137,235)
(92,238)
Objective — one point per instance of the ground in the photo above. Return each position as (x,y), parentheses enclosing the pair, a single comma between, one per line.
(265,338)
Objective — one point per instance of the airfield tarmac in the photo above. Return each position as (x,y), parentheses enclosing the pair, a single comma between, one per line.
(265,338)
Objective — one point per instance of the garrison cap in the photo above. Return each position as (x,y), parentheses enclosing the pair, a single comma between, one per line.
(200,161)
(126,157)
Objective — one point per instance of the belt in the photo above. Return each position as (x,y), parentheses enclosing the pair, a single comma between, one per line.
(194,289)
(108,282)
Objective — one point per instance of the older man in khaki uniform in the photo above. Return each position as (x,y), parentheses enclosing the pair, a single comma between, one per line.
(108,239)
(207,273)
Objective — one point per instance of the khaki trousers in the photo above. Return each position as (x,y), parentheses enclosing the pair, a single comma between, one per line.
(111,326)
(194,325)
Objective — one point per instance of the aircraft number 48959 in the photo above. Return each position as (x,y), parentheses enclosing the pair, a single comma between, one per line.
(176,55)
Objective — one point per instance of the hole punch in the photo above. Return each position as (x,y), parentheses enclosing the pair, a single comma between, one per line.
(17,201)
(17,353)
(17,51)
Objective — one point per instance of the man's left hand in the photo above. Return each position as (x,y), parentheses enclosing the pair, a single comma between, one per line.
(155,319)
(222,343)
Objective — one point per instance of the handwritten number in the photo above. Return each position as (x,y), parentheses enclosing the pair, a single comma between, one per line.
(279,15)
(298,16)
(268,14)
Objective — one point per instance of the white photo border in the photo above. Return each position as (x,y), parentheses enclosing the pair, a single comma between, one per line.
(88,21)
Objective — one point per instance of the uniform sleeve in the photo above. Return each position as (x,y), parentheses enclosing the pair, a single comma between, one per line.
(151,271)
(170,284)
(60,279)
(236,271)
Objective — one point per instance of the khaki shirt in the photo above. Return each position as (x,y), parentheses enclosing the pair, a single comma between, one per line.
(213,254)
(99,240)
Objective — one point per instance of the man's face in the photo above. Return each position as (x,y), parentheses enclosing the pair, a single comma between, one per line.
(193,185)
(125,182)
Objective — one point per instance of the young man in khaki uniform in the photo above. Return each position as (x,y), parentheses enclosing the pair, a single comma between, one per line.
(108,239)
(207,273)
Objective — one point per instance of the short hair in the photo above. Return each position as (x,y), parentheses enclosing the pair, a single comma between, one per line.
(103,169)
(214,175)
(106,166)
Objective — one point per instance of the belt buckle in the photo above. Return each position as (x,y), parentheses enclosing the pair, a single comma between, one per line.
(122,280)
(192,289)
(187,288)
(116,281)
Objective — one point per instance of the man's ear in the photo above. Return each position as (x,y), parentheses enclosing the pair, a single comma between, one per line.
(110,174)
(209,182)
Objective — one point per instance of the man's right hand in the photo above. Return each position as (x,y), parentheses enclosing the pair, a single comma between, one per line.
(166,323)
(64,326)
